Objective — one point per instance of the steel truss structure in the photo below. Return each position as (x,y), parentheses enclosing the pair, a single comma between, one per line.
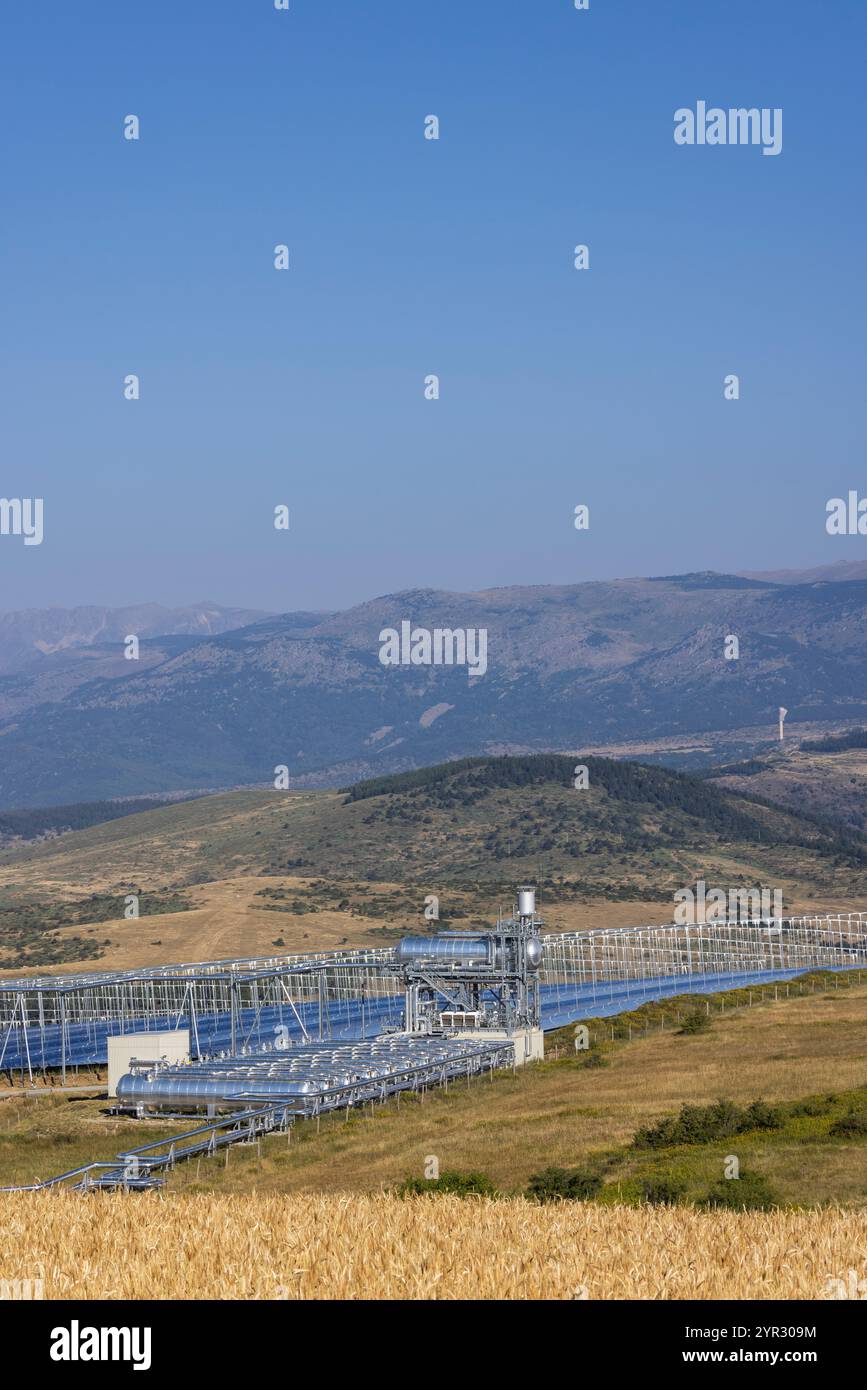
(63,1021)
(312,1077)
(378,1071)
(629,963)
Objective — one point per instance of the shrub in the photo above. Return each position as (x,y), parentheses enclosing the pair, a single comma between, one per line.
(696,1021)
(702,1124)
(696,1124)
(457,1184)
(760,1115)
(564,1184)
(809,1108)
(850,1126)
(663,1189)
(749,1192)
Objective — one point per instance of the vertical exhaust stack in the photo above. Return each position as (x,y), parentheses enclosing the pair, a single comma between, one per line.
(526,901)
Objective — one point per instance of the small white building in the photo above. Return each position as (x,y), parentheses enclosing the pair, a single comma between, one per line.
(171,1047)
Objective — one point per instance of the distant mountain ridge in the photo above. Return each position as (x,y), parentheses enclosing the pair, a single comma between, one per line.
(29,634)
(824,574)
(569,667)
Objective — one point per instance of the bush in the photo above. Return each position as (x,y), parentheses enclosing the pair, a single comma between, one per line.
(809,1108)
(563,1184)
(702,1124)
(456,1184)
(663,1189)
(696,1021)
(851,1126)
(696,1124)
(749,1192)
(760,1115)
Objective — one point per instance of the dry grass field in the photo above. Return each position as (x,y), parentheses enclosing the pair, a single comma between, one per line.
(346,1246)
(227,920)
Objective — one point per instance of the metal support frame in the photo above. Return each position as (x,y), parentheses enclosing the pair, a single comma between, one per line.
(63,1021)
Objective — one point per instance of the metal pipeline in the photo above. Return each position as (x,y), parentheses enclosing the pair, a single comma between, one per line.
(305,1073)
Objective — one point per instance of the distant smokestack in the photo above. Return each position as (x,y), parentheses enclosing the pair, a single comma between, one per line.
(783,713)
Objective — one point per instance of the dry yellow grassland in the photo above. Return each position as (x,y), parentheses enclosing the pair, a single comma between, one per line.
(383,1247)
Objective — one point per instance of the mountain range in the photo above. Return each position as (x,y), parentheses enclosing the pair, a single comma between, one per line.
(223,697)
(32,638)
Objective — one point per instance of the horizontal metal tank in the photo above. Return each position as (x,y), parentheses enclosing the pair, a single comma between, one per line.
(191,1089)
(445,949)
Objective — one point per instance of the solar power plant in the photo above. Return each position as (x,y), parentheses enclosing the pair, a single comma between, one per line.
(64,1021)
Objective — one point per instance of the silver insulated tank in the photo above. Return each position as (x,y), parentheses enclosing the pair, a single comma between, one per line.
(447,950)
(526,902)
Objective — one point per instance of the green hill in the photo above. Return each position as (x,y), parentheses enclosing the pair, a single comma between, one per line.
(635,832)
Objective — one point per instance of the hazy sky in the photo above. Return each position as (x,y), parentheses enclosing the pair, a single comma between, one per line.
(412,256)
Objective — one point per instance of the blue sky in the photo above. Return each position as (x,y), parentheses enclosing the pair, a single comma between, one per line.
(411,257)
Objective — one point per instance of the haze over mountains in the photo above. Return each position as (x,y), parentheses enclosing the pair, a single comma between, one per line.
(842,570)
(30,636)
(221,697)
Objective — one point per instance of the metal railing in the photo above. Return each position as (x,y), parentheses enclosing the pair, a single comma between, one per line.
(135,1167)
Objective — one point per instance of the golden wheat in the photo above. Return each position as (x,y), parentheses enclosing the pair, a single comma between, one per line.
(343,1246)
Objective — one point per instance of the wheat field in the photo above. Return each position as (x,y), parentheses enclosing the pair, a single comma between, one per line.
(347,1246)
